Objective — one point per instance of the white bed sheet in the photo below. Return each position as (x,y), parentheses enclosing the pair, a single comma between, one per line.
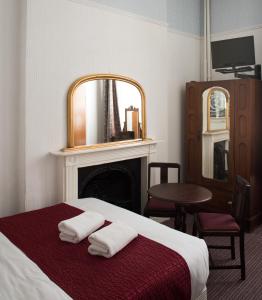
(20,278)
(192,249)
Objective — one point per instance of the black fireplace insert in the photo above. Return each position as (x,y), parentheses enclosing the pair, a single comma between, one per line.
(118,183)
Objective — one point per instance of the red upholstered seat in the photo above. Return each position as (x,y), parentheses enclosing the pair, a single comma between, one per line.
(217,222)
(160,205)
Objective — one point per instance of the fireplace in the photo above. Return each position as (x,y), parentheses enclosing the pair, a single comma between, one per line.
(220,160)
(214,154)
(73,164)
(118,183)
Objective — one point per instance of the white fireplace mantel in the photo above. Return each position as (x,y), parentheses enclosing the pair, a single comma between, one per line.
(68,163)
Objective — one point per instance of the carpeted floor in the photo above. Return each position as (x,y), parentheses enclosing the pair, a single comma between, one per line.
(226,284)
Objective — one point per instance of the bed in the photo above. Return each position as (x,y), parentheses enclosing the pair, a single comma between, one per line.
(21,278)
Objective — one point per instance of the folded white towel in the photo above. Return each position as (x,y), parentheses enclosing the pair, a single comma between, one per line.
(76,229)
(111,239)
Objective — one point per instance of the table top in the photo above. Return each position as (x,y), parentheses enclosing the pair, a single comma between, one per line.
(180,193)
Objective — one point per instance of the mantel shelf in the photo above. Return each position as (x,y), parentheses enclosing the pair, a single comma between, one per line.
(103,148)
(217,132)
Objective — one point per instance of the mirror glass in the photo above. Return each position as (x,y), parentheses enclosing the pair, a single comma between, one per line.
(215,133)
(217,110)
(104,111)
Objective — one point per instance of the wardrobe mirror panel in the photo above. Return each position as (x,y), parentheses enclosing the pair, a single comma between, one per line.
(215,133)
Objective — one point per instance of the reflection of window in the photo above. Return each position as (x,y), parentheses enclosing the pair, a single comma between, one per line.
(128,95)
(217,110)
(217,105)
(123,111)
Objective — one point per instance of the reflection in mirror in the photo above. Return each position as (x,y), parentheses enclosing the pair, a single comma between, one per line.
(104,111)
(217,110)
(215,133)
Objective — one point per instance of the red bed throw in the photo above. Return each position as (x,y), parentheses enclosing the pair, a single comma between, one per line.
(142,270)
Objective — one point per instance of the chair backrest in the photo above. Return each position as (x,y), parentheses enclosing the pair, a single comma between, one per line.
(163,171)
(241,200)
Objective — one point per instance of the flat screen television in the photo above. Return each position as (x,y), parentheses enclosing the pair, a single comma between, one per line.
(233,52)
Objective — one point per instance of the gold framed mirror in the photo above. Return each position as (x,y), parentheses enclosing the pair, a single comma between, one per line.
(105,110)
(216,137)
(218,109)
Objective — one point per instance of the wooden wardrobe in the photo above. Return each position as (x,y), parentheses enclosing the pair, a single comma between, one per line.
(242,153)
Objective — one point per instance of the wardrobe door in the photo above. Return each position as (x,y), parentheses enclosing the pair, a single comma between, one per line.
(247,116)
(244,101)
(217,142)
(193,133)
(210,126)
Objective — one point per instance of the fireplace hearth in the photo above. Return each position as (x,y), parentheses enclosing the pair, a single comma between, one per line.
(118,183)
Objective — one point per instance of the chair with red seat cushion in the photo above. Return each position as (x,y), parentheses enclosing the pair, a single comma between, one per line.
(156,207)
(217,222)
(228,225)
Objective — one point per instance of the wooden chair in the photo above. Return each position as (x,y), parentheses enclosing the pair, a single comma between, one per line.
(161,208)
(227,225)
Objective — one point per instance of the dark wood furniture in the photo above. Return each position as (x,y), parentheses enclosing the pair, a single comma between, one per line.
(156,207)
(244,155)
(228,225)
(180,194)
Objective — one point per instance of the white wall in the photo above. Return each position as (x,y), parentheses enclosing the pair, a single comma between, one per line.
(183,66)
(11,124)
(185,16)
(64,40)
(67,40)
(235,14)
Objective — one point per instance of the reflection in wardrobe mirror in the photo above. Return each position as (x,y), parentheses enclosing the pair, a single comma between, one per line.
(215,133)
(105,109)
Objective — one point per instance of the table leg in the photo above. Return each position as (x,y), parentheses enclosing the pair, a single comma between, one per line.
(178,218)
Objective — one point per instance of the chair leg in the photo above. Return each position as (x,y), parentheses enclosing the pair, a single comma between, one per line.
(233,254)
(184,222)
(242,256)
(194,232)
(211,262)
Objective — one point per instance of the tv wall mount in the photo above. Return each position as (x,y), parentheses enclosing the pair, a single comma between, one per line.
(238,71)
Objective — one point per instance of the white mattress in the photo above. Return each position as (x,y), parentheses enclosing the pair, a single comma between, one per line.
(193,250)
(20,278)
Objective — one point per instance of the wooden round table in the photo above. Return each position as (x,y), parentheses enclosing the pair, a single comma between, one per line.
(182,194)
